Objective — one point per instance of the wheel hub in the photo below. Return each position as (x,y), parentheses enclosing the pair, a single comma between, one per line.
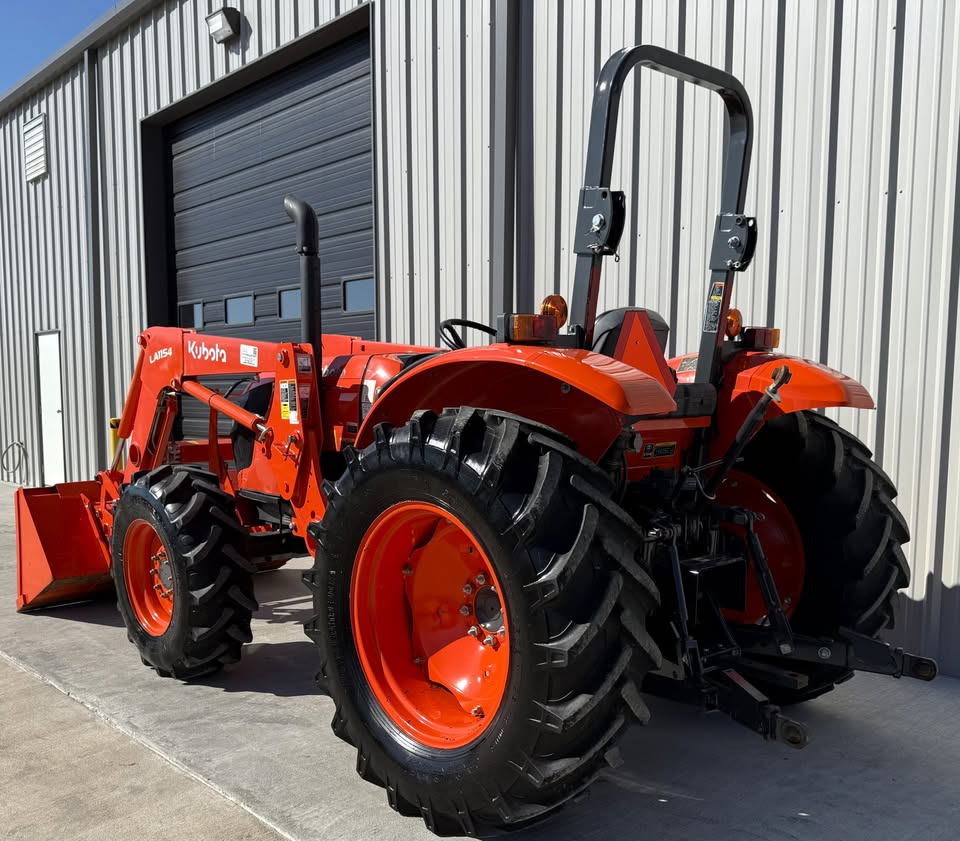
(488,610)
(429,625)
(148,577)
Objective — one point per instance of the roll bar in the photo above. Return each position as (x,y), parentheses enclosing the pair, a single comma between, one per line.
(601,214)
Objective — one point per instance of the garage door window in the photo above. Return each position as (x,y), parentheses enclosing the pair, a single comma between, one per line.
(289,304)
(191,315)
(240,310)
(359,295)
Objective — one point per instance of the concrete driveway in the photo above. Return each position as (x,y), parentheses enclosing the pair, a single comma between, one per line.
(884,763)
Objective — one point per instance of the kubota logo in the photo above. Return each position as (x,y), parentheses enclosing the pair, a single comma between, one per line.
(205,353)
(163,353)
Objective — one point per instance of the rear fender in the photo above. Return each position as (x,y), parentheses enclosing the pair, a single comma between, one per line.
(812,386)
(583,394)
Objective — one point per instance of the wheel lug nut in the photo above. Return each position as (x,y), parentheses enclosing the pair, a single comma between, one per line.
(407,569)
(488,641)
(418,661)
(480,580)
(474,631)
(465,610)
(477,711)
(467,589)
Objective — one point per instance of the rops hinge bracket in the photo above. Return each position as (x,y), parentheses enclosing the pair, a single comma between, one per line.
(734,241)
(600,221)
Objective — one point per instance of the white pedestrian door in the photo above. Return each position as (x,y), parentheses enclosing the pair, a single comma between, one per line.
(51,407)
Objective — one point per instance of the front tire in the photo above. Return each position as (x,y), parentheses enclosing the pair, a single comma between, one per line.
(573,594)
(184,589)
(853,534)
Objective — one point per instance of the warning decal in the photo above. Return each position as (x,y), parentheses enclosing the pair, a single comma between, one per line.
(659,450)
(711,317)
(288,401)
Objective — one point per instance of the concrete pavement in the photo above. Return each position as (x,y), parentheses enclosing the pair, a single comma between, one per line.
(884,764)
(65,774)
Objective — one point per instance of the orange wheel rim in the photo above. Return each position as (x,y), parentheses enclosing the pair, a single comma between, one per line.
(429,624)
(148,577)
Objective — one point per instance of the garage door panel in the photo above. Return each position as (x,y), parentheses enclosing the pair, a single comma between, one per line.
(275,138)
(333,189)
(345,229)
(297,111)
(258,170)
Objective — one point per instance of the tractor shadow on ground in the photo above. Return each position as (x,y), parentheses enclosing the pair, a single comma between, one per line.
(101,611)
(283,597)
(689,770)
(283,669)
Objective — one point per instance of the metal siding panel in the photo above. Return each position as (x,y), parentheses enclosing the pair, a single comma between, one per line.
(42,277)
(921,320)
(449,175)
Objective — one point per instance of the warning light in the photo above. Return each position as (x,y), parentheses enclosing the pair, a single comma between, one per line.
(734,323)
(529,329)
(555,305)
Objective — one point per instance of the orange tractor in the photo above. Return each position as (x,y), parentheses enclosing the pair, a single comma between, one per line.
(512,543)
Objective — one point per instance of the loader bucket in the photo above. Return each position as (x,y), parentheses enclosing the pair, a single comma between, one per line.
(60,554)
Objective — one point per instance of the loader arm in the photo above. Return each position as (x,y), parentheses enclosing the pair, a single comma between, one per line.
(288,438)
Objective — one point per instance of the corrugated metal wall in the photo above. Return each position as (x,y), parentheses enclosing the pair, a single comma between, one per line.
(43,281)
(855,183)
(433,77)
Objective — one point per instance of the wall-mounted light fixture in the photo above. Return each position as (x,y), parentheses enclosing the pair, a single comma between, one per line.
(224,24)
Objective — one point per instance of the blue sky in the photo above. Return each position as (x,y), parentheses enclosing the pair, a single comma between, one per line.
(33,30)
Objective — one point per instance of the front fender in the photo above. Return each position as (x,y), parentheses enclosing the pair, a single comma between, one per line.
(585,395)
(811,386)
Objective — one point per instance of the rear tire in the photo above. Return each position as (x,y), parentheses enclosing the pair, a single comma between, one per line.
(853,534)
(573,591)
(209,582)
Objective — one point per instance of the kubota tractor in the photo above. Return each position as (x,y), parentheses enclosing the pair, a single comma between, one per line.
(512,543)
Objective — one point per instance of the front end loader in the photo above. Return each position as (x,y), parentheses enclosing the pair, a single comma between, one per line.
(513,544)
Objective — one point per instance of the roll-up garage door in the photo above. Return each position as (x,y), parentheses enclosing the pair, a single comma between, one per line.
(306,130)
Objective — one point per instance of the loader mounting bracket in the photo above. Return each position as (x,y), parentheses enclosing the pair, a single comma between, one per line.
(850,651)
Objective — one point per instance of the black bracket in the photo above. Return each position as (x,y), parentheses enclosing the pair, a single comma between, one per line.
(600,221)
(849,651)
(779,624)
(747,705)
(734,241)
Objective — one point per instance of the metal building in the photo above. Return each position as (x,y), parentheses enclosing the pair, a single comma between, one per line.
(143,168)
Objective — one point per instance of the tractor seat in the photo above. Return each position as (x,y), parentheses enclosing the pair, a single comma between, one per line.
(606,333)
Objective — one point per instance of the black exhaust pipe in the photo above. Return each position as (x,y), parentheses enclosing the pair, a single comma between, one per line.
(308,247)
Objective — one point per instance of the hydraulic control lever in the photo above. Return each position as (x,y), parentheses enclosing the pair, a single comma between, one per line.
(749,427)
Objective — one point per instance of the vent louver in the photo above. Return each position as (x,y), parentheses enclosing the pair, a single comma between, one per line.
(35,147)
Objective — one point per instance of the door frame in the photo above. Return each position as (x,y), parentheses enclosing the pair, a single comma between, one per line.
(41,458)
